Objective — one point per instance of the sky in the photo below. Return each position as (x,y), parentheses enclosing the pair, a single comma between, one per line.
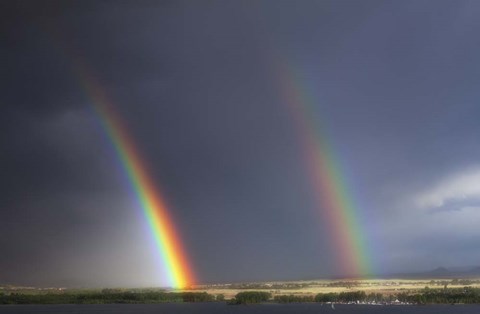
(200,87)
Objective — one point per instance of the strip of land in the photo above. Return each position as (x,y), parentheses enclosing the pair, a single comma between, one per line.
(371,291)
(313,287)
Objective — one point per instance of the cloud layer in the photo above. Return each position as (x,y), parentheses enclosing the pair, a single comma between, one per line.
(462,187)
(395,83)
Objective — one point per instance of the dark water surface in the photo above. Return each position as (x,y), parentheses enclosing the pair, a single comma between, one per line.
(219,308)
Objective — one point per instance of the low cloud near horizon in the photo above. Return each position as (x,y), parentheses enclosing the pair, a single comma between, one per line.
(454,192)
(442,217)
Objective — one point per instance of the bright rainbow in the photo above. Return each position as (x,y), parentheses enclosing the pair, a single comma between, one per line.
(168,242)
(333,196)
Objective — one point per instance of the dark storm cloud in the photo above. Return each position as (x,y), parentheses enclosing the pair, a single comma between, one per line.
(395,83)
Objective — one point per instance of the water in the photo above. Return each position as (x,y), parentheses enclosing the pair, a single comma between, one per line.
(220,308)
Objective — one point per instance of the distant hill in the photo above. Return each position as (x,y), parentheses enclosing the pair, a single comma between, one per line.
(438,273)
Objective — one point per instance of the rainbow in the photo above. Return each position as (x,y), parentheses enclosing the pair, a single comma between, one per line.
(333,196)
(180,274)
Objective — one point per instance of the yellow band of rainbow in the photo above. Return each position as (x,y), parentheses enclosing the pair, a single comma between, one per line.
(151,201)
(340,215)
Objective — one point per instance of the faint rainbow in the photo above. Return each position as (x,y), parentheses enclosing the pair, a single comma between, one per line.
(180,274)
(333,196)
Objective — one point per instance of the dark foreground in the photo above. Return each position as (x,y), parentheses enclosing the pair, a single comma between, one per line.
(221,308)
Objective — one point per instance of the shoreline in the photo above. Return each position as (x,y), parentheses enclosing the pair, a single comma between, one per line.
(358,292)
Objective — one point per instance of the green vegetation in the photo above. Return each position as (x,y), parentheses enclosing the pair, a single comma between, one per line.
(293,299)
(354,296)
(443,296)
(326,297)
(249,297)
(425,296)
(105,296)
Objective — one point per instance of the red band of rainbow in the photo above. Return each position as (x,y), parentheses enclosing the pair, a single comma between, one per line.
(338,210)
(167,240)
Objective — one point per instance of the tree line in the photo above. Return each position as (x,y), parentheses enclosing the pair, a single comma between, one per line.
(425,296)
(467,295)
(105,297)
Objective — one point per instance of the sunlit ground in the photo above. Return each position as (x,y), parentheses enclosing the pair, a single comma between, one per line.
(304,288)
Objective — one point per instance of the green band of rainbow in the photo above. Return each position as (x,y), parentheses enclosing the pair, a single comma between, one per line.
(167,240)
(338,210)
